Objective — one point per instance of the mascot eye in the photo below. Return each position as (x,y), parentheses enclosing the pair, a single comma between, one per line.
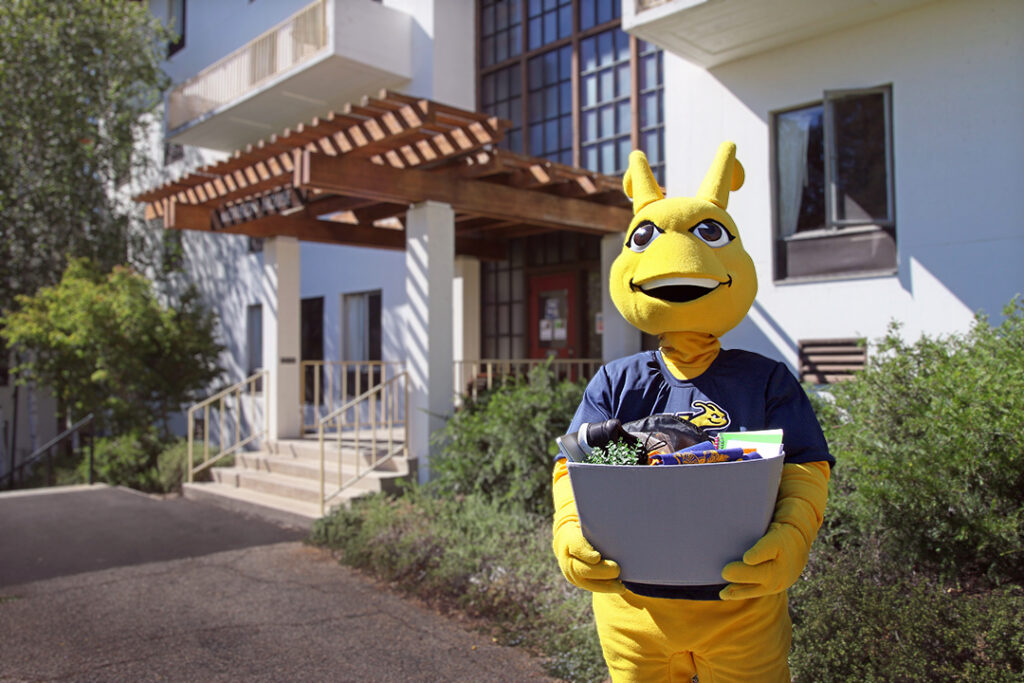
(712,233)
(643,235)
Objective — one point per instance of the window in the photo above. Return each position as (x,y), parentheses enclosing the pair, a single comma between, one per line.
(361,338)
(176,21)
(833,186)
(254,340)
(577,89)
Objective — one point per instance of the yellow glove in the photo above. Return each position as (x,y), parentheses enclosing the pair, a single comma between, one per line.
(777,559)
(579,561)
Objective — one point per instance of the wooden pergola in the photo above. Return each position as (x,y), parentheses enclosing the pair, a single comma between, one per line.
(350,177)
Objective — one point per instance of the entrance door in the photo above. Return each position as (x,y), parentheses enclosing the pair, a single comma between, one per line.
(312,322)
(552,323)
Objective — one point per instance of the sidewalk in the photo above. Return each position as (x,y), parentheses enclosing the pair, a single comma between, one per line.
(106,584)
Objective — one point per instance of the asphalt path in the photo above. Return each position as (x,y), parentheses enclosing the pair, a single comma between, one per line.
(107,584)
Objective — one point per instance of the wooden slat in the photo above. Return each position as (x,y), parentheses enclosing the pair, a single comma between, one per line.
(410,186)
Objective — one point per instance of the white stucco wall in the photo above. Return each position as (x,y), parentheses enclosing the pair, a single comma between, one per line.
(957,99)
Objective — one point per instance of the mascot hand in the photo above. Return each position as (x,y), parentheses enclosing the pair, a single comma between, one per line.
(777,559)
(579,561)
(582,564)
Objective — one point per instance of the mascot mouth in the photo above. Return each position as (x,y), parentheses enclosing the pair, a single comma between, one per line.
(679,290)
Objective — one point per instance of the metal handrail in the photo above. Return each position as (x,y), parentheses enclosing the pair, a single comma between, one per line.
(389,406)
(260,380)
(45,449)
(331,378)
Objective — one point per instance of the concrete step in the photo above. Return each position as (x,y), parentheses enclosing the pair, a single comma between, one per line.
(309,449)
(285,511)
(309,468)
(296,488)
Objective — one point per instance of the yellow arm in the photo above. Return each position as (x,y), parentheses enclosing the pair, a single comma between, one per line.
(579,561)
(777,559)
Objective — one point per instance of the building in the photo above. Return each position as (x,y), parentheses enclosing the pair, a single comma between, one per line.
(879,141)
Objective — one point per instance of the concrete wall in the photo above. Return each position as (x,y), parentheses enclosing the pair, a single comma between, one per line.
(957,99)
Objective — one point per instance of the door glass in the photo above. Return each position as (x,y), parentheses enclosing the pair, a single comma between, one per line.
(553,331)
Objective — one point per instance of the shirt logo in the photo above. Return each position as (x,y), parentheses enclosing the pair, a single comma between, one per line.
(706,415)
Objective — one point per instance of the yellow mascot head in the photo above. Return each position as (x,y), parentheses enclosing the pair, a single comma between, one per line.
(683,267)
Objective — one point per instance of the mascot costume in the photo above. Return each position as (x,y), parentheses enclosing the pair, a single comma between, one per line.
(683,275)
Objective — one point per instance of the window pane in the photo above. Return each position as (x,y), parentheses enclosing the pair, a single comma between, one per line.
(587,15)
(860,168)
(536,38)
(606,10)
(589,91)
(588,54)
(800,169)
(565,21)
(607,121)
(550,27)
(589,160)
(622,80)
(605,48)
(607,157)
(589,120)
(624,116)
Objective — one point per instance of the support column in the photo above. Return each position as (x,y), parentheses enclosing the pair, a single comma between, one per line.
(281,336)
(430,267)
(466,308)
(619,337)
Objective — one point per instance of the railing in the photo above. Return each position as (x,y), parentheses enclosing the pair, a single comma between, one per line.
(293,41)
(382,435)
(474,376)
(324,385)
(228,405)
(47,450)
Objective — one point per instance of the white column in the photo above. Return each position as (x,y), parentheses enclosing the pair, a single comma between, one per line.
(281,336)
(466,308)
(619,337)
(430,267)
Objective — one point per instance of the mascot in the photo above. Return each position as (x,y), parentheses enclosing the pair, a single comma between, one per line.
(683,275)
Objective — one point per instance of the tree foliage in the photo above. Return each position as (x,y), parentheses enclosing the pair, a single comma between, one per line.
(105,344)
(75,81)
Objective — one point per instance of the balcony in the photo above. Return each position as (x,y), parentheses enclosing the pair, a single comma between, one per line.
(327,54)
(712,32)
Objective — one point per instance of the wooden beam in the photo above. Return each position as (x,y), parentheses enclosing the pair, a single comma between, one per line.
(410,186)
(188,217)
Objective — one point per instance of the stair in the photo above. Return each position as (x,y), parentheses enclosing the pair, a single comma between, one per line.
(281,481)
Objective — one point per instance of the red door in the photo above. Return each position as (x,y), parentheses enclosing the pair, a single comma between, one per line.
(552,323)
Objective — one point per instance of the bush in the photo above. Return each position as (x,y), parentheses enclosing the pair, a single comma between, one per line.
(480,557)
(929,441)
(862,616)
(502,445)
(139,460)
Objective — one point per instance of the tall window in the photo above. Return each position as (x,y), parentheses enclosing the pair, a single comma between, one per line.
(176,20)
(254,338)
(833,186)
(577,89)
(361,338)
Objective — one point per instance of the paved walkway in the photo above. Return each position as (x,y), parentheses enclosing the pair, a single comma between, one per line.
(106,584)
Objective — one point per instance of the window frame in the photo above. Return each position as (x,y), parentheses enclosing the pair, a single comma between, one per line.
(834,227)
(525,54)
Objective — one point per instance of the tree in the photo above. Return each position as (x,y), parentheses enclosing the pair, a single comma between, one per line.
(105,344)
(76,79)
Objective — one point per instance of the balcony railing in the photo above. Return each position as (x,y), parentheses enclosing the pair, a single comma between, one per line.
(474,376)
(292,42)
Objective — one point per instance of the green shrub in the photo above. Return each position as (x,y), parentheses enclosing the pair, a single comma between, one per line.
(502,445)
(860,615)
(929,440)
(126,460)
(478,556)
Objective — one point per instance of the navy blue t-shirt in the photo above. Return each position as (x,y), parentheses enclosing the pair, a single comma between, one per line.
(740,391)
